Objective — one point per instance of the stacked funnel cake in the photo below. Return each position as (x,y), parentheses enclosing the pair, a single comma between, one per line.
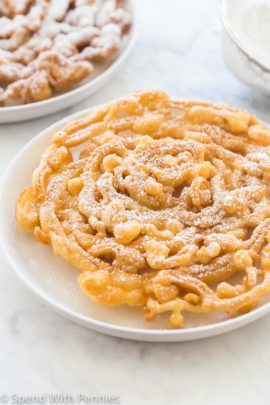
(48,46)
(160,204)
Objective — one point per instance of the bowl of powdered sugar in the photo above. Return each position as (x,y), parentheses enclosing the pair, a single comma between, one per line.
(245,40)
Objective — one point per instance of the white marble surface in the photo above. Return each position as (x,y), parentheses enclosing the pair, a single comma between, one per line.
(178,49)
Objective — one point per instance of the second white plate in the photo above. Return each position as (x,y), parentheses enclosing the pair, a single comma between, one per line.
(102,74)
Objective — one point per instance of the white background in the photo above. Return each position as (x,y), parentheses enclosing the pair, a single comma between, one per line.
(178,50)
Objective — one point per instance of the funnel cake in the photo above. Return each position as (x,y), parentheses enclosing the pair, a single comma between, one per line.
(49,46)
(160,204)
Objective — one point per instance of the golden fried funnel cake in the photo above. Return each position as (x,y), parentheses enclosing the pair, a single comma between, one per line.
(160,203)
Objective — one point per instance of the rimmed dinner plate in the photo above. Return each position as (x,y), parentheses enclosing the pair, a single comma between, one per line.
(54,280)
(103,73)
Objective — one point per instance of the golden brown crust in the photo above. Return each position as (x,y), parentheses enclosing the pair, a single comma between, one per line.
(159,203)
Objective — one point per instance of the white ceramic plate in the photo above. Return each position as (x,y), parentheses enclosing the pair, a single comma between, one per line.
(54,280)
(102,73)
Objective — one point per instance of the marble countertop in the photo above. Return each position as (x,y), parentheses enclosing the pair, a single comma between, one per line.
(178,49)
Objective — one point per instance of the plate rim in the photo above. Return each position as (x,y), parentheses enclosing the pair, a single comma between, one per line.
(140,334)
